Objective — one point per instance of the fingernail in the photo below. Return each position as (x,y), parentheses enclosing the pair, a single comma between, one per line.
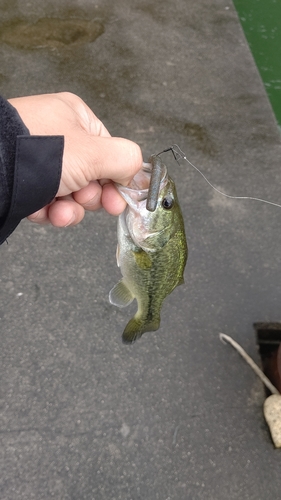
(70,221)
(36,216)
(93,201)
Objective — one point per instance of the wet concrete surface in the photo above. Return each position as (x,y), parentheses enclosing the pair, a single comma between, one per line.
(178,414)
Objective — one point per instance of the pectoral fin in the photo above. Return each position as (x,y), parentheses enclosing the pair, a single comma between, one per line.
(120,295)
(117,255)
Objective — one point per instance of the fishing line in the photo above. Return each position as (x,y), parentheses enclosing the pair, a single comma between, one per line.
(179,154)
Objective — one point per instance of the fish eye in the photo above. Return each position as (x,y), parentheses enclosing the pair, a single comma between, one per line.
(167,203)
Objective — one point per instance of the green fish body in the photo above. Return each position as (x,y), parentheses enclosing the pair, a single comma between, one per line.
(151,252)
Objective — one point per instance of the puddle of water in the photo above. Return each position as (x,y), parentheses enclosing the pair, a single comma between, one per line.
(49,33)
(200,138)
(261,21)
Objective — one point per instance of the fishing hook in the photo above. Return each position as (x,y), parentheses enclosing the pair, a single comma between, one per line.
(156,176)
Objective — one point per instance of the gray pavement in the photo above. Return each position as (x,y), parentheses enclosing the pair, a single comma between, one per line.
(178,415)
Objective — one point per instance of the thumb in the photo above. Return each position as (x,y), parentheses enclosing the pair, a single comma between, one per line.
(114,158)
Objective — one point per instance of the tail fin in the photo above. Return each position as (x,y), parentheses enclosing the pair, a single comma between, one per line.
(137,326)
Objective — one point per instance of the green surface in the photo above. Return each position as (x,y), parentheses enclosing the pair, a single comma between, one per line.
(261,21)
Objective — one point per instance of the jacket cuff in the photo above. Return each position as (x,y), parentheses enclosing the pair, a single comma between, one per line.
(37,173)
(11,125)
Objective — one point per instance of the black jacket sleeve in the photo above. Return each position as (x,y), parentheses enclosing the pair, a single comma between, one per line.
(30,169)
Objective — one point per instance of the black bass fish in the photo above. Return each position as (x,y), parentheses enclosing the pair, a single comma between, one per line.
(151,251)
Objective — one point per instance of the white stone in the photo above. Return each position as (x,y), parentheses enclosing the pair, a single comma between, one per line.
(272,413)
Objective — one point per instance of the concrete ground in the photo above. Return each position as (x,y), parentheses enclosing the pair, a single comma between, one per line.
(178,415)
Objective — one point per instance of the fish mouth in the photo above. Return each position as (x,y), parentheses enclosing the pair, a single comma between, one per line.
(137,189)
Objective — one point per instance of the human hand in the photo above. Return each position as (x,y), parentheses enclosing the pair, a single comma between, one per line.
(92,159)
